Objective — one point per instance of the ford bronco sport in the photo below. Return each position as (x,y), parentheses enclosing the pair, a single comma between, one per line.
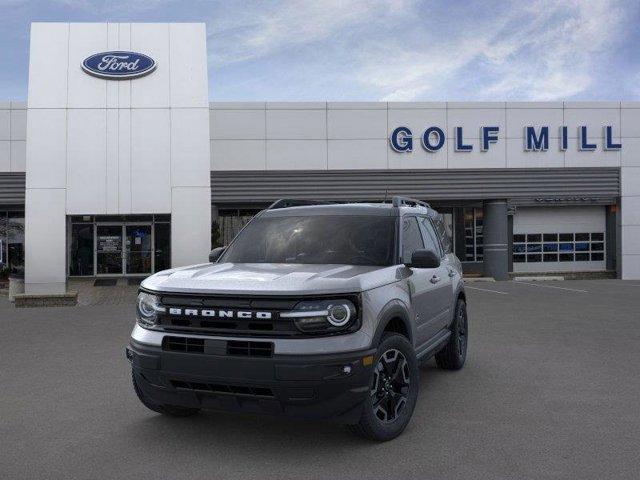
(314,310)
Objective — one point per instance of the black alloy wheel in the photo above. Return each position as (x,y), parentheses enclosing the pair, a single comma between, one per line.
(454,354)
(391,381)
(393,391)
(462,332)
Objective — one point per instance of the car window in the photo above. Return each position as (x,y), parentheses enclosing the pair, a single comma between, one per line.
(430,239)
(411,238)
(443,233)
(316,239)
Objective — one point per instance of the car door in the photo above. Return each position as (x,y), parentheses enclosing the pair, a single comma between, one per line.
(441,279)
(451,262)
(422,287)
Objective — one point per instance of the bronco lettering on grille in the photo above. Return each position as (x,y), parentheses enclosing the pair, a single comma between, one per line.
(242,314)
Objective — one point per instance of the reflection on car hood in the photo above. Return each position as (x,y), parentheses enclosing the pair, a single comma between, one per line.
(270,278)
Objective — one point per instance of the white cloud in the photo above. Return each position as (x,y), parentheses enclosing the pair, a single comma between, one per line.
(105,7)
(260,29)
(406,50)
(569,50)
(402,49)
(545,51)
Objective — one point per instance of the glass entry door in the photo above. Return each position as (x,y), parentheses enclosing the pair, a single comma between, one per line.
(138,249)
(124,249)
(109,258)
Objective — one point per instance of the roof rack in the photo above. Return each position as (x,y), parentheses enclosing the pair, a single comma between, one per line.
(290,202)
(398,201)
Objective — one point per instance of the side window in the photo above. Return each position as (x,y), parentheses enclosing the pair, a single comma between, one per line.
(443,233)
(430,239)
(411,238)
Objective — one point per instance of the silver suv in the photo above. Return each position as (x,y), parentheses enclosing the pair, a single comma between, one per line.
(314,310)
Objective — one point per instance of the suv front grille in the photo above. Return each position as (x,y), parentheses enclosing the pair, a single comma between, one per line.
(277,327)
(183,344)
(255,391)
(260,316)
(217,346)
(231,316)
(250,349)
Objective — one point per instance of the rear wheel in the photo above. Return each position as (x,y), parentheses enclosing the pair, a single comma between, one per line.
(393,390)
(453,356)
(170,410)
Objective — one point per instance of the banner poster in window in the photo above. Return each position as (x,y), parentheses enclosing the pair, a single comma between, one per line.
(109,243)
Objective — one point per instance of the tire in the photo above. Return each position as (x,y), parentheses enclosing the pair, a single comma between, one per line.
(454,354)
(395,382)
(169,410)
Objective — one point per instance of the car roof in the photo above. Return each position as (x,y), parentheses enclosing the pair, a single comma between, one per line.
(365,209)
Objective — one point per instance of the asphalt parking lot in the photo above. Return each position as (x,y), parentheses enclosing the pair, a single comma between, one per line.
(551,390)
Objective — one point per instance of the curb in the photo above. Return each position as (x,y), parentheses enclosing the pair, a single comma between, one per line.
(538,278)
(478,279)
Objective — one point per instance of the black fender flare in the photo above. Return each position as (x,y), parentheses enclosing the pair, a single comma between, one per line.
(393,309)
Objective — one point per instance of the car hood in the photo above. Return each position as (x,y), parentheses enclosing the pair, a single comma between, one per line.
(270,279)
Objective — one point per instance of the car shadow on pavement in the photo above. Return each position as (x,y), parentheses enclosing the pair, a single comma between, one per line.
(264,432)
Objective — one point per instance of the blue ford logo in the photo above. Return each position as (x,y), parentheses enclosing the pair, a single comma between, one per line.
(118,65)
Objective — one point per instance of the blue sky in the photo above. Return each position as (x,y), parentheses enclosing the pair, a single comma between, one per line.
(363,50)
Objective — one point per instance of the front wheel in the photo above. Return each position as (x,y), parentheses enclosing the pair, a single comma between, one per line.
(393,390)
(453,356)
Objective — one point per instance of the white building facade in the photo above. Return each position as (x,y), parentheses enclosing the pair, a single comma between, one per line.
(127,176)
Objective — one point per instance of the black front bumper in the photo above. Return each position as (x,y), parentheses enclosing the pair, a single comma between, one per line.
(330,387)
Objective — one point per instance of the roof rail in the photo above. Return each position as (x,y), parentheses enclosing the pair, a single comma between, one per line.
(398,201)
(290,202)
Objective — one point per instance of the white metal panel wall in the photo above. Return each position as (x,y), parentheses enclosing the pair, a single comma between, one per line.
(291,136)
(630,173)
(542,220)
(13,135)
(356,134)
(111,147)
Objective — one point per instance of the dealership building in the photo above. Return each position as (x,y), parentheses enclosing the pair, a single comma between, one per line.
(118,165)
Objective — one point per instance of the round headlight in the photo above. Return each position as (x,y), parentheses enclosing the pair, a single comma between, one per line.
(147,308)
(324,316)
(339,315)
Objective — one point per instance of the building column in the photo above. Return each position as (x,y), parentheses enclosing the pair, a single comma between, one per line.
(629,266)
(611,244)
(495,239)
(45,241)
(190,225)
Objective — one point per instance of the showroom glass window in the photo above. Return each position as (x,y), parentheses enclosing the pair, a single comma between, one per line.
(473,234)
(119,244)
(558,247)
(81,251)
(12,237)
(4,267)
(162,226)
(228,223)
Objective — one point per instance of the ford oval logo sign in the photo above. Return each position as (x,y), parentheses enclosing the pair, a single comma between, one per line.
(118,65)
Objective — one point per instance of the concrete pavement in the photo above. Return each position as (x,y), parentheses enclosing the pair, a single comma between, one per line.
(550,391)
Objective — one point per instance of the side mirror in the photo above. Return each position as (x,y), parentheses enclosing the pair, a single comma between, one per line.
(216,253)
(424,259)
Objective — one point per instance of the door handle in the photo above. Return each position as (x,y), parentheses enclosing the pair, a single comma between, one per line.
(434,279)
(452,273)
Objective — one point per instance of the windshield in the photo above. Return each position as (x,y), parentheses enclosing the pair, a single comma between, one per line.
(338,239)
